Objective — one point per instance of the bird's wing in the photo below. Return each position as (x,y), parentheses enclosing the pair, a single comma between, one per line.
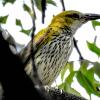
(37,41)
(44,36)
(39,37)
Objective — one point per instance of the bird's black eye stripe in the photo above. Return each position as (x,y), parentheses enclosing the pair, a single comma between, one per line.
(74,15)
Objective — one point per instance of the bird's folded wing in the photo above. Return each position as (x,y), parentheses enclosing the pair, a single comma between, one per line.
(25,53)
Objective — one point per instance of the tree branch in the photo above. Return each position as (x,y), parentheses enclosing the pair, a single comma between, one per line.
(75,45)
(35,75)
(16,84)
(58,94)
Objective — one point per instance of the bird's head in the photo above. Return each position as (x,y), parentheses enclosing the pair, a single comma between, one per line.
(73,19)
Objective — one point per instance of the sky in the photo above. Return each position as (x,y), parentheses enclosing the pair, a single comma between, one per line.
(85,33)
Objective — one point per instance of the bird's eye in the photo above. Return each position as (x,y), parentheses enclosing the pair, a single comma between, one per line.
(75,15)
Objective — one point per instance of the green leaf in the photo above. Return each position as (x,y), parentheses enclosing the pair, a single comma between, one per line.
(67,84)
(87,84)
(93,48)
(70,67)
(28,9)
(95,23)
(61,86)
(38,3)
(3,19)
(85,77)
(70,89)
(18,22)
(73,91)
(97,69)
(84,64)
(68,81)
(63,71)
(84,82)
(8,1)
(89,73)
(27,32)
(51,2)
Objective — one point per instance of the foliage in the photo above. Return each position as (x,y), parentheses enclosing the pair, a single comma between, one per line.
(95,23)
(85,74)
(6,1)
(28,9)
(18,23)
(94,48)
(3,19)
(38,3)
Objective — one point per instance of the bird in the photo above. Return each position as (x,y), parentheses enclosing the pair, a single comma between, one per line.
(54,44)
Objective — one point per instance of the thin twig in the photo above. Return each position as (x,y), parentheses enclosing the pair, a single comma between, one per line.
(95,39)
(43,6)
(33,19)
(36,80)
(75,45)
(63,6)
(35,75)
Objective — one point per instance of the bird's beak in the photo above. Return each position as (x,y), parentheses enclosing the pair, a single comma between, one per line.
(88,17)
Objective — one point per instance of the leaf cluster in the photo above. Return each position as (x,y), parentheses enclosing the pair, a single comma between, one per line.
(85,76)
